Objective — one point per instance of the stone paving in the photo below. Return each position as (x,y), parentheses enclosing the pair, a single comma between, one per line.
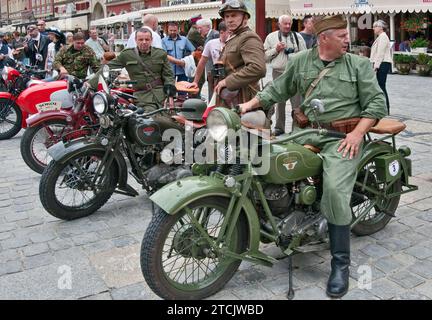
(97,257)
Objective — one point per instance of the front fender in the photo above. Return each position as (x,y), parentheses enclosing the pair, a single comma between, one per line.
(175,196)
(63,152)
(41,117)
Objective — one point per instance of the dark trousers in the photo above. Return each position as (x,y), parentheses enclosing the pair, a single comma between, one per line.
(382,73)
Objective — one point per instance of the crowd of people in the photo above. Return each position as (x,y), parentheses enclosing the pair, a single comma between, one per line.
(312,64)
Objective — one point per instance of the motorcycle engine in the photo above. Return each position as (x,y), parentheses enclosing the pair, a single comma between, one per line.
(278,199)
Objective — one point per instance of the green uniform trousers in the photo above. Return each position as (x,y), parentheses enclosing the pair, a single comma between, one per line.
(339,176)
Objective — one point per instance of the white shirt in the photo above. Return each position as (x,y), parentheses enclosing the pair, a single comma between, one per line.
(380,51)
(213,49)
(156,43)
(96,46)
(50,56)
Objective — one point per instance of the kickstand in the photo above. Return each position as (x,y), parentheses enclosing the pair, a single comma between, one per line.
(290,294)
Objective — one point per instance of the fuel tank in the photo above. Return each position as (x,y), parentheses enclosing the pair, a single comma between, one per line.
(150,131)
(292,162)
(39,94)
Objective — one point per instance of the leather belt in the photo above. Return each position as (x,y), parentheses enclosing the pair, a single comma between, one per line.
(151,85)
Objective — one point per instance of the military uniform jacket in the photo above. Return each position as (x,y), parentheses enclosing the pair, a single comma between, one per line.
(76,62)
(244,60)
(158,63)
(350,89)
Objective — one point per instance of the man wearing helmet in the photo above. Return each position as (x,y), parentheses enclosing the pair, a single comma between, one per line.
(243,55)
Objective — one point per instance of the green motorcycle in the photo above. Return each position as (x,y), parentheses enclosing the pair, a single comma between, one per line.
(207,224)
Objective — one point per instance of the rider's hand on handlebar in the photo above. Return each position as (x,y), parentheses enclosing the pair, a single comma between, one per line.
(63,73)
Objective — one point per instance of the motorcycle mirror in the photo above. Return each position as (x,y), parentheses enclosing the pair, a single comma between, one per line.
(317,105)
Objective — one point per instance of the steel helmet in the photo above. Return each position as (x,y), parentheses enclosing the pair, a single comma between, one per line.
(233,5)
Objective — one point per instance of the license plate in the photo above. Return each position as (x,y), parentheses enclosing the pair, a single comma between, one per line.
(48,106)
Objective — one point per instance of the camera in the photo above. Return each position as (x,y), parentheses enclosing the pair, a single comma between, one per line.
(288,51)
(219,71)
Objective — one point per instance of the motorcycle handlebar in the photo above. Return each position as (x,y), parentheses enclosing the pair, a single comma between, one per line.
(336,134)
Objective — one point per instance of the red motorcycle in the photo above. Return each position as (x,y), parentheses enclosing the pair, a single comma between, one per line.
(26,94)
(74,119)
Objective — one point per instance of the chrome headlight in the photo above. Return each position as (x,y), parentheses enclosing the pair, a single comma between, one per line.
(220,121)
(217,126)
(105,71)
(100,103)
(4,73)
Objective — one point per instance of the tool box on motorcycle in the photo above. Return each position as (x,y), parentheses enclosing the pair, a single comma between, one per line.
(388,167)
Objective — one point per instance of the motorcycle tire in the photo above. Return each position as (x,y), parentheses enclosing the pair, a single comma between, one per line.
(376,221)
(16,123)
(186,243)
(27,146)
(48,182)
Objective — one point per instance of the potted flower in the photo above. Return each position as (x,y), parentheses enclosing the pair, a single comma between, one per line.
(415,24)
(423,67)
(419,45)
(403,63)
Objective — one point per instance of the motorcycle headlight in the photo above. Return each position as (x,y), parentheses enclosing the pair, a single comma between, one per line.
(4,73)
(105,71)
(220,121)
(100,103)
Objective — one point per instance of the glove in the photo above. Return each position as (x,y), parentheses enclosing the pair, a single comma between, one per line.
(170,90)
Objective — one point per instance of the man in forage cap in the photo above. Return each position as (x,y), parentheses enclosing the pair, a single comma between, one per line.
(347,86)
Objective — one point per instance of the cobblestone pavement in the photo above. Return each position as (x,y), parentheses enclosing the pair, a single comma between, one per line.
(101,252)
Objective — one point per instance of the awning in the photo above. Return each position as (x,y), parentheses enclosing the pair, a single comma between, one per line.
(209,10)
(172,13)
(332,7)
(70,23)
(277,8)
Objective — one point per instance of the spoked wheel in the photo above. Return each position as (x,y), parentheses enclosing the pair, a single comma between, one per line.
(177,260)
(36,141)
(10,119)
(380,214)
(66,189)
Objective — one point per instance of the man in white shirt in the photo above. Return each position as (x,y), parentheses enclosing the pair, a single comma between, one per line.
(212,52)
(278,46)
(150,22)
(97,44)
(204,27)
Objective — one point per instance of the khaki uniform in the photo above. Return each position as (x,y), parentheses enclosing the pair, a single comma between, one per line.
(244,61)
(76,62)
(149,93)
(348,90)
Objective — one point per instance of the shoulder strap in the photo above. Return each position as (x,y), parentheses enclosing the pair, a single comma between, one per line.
(315,82)
(145,66)
(297,40)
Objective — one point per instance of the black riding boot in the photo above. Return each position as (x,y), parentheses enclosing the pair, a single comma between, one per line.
(337,285)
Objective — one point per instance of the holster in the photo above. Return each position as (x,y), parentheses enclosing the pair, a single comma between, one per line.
(299,118)
(345,125)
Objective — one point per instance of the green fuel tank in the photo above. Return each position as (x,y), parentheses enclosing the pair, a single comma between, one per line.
(292,162)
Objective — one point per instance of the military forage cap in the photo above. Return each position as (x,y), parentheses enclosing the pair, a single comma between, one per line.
(330,22)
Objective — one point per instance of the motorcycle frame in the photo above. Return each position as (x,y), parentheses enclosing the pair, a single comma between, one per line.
(247,182)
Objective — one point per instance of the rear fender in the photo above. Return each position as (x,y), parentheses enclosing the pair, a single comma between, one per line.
(63,152)
(9,96)
(41,117)
(173,197)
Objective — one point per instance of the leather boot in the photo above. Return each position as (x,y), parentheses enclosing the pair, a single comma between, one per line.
(338,282)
